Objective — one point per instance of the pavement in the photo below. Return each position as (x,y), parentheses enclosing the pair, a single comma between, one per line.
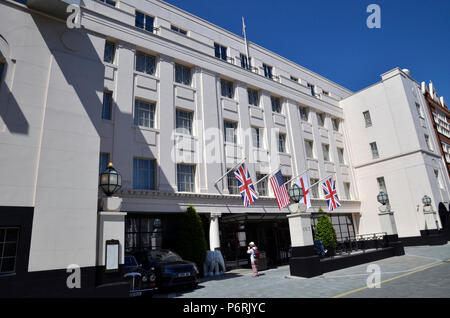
(422,272)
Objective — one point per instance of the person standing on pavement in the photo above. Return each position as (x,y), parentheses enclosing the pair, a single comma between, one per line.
(253,251)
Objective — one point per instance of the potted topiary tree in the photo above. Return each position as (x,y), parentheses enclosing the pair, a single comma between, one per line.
(191,244)
(326,233)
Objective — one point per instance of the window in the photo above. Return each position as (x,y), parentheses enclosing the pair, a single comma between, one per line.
(144,21)
(382,186)
(184,122)
(183,74)
(428,141)
(140,234)
(336,123)
(144,114)
(233,186)
(304,113)
(438,179)
(107,105)
(309,149)
(282,143)
(110,2)
(103,162)
(144,174)
(256,134)
(311,87)
(419,110)
(177,29)
(315,188)
(347,191)
(321,119)
(342,223)
(276,104)
(374,149)
(253,97)
(230,131)
(267,71)
(286,179)
(262,186)
(110,52)
(326,93)
(220,51)
(245,62)
(326,152)
(227,88)
(367,118)
(185,178)
(145,63)
(295,79)
(9,238)
(340,152)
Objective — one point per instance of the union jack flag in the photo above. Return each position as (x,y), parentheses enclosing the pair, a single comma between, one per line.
(246,187)
(329,189)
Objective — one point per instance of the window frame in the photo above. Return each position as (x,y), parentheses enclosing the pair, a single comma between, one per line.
(151,116)
(107,108)
(226,88)
(179,183)
(268,71)
(282,143)
(183,71)
(3,243)
(108,56)
(374,150)
(231,125)
(174,28)
(308,141)
(367,118)
(138,179)
(146,58)
(189,120)
(305,112)
(221,52)
(253,92)
(277,107)
(262,187)
(145,24)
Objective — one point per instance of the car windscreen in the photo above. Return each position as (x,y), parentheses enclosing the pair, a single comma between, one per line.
(164,256)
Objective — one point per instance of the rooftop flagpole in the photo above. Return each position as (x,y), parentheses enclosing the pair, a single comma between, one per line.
(245,41)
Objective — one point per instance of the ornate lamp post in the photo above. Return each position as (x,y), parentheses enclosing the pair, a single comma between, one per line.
(110,180)
(431,221)
(296,194)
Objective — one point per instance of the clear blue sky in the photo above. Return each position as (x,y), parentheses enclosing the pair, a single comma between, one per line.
(331,38)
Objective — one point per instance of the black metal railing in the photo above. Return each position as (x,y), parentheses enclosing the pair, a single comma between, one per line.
(361,242)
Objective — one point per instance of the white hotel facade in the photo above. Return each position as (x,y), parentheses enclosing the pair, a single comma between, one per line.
(170,100)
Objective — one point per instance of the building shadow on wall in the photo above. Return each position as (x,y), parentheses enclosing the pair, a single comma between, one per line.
(79,64)
(11,114)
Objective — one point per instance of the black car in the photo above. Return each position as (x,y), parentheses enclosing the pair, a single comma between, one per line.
(141,279)
(171,270)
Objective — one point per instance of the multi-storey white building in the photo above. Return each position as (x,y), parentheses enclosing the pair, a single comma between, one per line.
(173,102)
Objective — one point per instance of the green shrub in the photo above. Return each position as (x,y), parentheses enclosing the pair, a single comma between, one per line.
(325,231)
(191,243)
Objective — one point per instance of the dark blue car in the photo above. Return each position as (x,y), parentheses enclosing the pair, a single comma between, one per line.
(171,270)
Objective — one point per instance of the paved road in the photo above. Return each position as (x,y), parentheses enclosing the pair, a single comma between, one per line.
(423,272)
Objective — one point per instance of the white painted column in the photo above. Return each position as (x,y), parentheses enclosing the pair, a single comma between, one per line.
(387,221)
(300,226)
(214,237)
(431,222)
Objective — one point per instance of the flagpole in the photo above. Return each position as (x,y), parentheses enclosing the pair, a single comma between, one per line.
(234,167)
(300,174)
(330,175)
(245,41)
(266,176)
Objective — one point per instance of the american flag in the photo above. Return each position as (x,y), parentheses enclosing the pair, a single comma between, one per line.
(246,187)
(279,189)
(329,189)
